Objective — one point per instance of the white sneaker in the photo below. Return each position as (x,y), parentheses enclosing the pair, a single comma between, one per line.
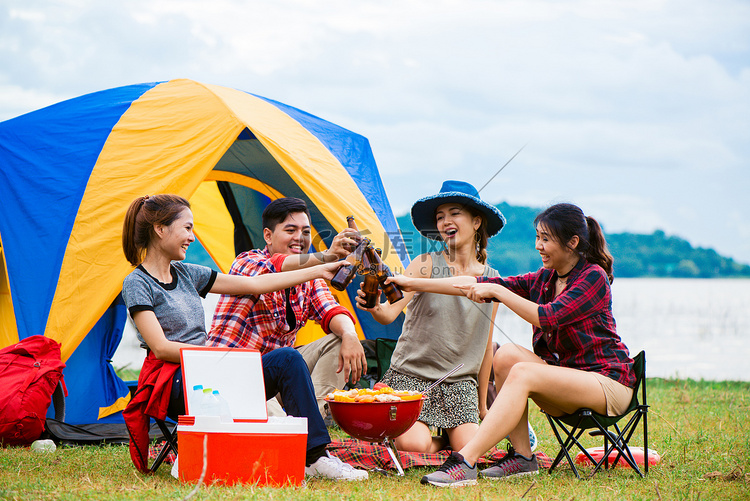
(532,438)
(333,468)
(176,469)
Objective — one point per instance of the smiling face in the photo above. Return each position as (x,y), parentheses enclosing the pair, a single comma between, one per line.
(176,237)
(456,224)
(291,236)
(554,255)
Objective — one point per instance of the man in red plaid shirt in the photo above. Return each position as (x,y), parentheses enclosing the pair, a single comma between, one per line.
(272,320)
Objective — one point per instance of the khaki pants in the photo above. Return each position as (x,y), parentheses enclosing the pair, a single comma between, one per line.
(322,359)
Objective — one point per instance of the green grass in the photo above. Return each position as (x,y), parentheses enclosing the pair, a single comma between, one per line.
(701,429)
(128,374)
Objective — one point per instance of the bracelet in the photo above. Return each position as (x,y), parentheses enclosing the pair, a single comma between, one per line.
(324,257)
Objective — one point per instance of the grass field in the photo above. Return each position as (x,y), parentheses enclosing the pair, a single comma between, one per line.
(700,429)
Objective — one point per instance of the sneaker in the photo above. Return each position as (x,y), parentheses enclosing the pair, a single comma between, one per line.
(453,473)
(334,469)
(532,438)
(511,465)
(175,469)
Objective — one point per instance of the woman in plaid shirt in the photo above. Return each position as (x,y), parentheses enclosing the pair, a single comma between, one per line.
(578,358)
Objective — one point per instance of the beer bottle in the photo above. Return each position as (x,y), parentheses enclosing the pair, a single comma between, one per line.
(353,225)
(366,265)
(392,292)
(370,282)
(346,273)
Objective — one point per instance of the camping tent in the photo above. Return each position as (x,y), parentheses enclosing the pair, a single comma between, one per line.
(69,171)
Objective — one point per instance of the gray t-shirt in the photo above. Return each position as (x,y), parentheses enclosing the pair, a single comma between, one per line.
(177,305)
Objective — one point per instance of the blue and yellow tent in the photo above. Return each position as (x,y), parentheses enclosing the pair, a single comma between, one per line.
(69,171)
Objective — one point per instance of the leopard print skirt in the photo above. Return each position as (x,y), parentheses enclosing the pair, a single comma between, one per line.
(448,405)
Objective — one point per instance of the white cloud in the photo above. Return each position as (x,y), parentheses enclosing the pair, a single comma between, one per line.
(16,100)
(640,110)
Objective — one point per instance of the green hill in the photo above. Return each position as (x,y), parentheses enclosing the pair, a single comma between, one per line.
(636,255)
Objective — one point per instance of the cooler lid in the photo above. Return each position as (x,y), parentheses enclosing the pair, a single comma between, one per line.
(236,373)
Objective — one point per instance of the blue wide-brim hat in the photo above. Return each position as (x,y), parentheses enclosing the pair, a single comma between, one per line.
(423,210)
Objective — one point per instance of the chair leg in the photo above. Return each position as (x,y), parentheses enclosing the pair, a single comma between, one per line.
(606,446)
(563,449)
(170,445)
(625,453)
(619,442)
(572,437)
(644,410)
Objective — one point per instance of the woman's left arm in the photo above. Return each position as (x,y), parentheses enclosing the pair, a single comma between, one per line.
(486,291)
(269,282)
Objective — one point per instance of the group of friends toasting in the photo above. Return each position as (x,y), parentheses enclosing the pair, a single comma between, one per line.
(449,296)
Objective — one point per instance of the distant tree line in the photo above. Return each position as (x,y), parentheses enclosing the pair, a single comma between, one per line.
(636,255)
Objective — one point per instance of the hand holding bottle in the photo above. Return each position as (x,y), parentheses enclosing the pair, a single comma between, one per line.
(345,273)
(344,243)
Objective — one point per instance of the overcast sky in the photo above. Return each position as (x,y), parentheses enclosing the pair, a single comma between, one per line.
(637,111)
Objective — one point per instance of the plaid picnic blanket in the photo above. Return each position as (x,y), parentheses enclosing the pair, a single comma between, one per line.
(367,455)
(156,448)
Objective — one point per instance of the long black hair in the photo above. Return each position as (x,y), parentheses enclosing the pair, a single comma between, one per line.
(564,221)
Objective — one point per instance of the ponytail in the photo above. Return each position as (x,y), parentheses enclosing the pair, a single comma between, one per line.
(140,218)
(597,251)
(133,252)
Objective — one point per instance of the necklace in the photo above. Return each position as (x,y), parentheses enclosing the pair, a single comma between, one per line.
(566,275)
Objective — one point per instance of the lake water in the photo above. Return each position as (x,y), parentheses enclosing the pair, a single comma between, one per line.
(689,328)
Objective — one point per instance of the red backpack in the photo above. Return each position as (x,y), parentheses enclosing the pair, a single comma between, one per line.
(30,370)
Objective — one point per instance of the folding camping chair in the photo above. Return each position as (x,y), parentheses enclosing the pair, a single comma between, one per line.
(573,426)
(168,431)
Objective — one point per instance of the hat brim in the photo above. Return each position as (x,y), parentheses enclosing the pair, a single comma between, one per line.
(423,213)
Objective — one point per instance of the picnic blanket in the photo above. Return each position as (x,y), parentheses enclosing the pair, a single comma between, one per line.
(366,455)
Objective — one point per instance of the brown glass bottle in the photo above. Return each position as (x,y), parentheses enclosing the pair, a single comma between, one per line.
(366,264)
(353,225)
(370,282)
(392,292)
(371,290)
(346,273)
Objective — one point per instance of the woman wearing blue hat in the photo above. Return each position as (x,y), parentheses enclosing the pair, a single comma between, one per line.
(441,331)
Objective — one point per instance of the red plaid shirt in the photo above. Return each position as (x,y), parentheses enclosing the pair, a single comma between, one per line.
(578,329)
(259,322)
